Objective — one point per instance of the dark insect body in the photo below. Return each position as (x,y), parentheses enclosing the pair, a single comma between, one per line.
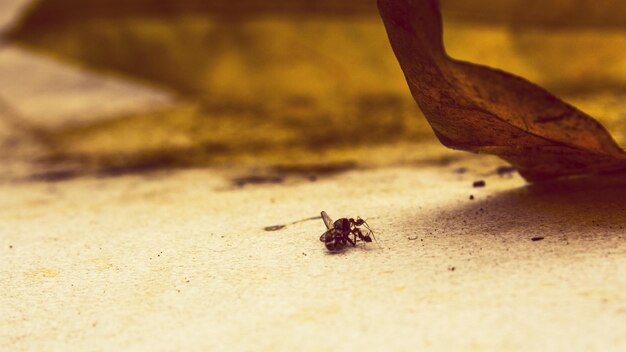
(338,232)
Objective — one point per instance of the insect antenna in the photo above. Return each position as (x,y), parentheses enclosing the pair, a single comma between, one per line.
(367,226)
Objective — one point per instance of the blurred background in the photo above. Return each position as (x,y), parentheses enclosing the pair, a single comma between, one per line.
(118,86)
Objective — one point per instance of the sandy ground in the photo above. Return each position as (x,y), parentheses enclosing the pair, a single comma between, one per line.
(181,261)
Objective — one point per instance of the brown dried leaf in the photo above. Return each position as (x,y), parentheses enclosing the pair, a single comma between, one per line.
(481,109)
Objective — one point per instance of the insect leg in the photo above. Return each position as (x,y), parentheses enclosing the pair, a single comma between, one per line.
(347,237)
(362,237)
(371,232)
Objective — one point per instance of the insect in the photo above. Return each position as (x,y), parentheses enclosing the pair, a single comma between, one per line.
(338,233)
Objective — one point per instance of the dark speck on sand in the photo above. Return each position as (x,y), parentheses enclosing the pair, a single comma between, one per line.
(478,184)
(274,228)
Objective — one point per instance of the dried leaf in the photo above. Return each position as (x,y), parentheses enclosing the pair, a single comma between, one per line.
(481,109)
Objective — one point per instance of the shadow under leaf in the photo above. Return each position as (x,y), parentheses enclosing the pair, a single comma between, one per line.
(591,208)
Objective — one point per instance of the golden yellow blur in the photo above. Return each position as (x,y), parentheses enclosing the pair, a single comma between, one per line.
(299,84)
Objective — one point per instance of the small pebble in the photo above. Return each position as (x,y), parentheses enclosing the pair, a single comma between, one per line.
(480,183)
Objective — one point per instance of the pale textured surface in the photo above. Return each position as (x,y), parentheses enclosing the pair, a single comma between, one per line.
(180,262)
(8,12)
(52,94)
(35,86)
